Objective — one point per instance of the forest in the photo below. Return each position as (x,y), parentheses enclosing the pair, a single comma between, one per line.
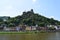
(29,18)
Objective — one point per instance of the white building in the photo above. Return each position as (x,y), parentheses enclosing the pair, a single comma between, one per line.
(54,26)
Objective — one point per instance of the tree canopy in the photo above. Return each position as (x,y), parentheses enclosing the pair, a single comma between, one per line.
(31,19)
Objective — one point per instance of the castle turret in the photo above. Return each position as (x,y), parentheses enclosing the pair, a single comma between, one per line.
(32,10)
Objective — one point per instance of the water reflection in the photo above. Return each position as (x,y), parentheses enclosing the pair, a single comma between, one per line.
(54,36)
(41,36)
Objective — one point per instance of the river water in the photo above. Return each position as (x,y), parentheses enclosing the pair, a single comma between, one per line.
(41,36)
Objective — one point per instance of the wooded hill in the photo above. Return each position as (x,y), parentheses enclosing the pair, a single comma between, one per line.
(31,19)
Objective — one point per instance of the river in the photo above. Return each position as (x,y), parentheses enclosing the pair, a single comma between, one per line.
(41,36)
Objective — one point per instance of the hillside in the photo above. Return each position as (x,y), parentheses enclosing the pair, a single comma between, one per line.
(31,19)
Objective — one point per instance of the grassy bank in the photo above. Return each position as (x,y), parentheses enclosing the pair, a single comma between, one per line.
(26,32)
(22,32)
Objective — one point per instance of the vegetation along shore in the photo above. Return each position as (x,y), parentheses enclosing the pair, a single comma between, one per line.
(28,22)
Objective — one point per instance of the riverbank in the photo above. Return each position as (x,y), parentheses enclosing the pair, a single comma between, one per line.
(24,32)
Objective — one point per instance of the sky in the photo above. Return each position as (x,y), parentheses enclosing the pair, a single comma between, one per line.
(47,8)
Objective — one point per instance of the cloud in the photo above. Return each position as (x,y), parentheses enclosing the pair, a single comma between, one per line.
(8,10)
(9,7)
(51,17)
(34,1)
